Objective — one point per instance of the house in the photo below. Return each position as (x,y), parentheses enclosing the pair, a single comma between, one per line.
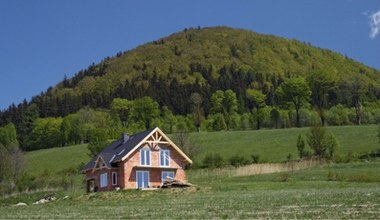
(143,160)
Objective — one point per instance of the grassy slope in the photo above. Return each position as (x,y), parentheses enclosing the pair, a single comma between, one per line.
(271,145)
(56,159)
(306,194)
(275,145)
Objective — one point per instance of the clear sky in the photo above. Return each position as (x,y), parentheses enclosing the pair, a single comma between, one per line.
(41,41)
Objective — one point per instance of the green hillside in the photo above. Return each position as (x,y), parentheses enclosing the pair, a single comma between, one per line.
(203,61)
(270,145)
(54,160)
(213,79)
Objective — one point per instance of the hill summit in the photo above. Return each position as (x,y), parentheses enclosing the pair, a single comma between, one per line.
(197,63)
(201,60)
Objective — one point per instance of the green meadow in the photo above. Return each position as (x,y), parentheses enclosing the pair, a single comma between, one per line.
(271,145)
(344,190)
(310,193)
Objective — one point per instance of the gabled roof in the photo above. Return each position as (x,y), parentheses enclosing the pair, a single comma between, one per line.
(119,150)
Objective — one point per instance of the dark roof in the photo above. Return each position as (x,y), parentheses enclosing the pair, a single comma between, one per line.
(117,150)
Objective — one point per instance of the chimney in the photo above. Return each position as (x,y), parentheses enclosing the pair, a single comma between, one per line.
(124,137)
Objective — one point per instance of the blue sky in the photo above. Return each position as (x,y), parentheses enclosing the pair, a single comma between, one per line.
(41,41)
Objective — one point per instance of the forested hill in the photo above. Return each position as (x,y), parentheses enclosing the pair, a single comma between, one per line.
(202,61)
(205,60)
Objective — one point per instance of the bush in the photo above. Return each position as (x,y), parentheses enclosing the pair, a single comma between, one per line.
(308,117)
(255,158)
(322,143)
(238,160)
(338,115)
(213,161)
(373,154)
(289,157)
(285,177)
(345,159)
(334,176)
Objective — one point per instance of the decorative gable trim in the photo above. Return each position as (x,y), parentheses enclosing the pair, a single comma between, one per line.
(99,164)
(154,139)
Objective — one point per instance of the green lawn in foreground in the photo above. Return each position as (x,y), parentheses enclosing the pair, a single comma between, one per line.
(334,191)
(306,194)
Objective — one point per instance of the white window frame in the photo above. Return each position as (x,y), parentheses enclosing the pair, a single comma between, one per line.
(144,153)
(164,173)
(114,178)
(166,153)
(142,171)
(104,180)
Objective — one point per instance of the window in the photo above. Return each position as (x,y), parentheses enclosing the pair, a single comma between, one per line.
(145,156)
(164,158)
(166,174)
(114,178)
(103,180)
(142,179)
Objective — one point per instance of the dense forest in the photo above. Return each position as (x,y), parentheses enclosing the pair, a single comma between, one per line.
(200,79)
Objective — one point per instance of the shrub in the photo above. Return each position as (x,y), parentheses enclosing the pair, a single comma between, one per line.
(238,160)
(285,177)
(301,146)
(338,115)
(334,176)
(324,145)
(215,122)
(213,161)
(345,159)
(244,121)
(289,157)
(255,158)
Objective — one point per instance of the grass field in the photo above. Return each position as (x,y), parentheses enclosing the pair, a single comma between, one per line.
(346,190)
(56,159)
(303,194)
(275,145)
(271,145)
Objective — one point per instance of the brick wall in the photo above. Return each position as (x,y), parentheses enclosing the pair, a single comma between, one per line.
(126,171)
(96,177)
(176,161)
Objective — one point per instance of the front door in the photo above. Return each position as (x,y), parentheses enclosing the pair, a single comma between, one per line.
(91,185)
(142,177)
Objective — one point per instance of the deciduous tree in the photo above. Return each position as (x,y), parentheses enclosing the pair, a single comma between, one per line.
(321,82)
(295,91)
(258,99)
(198,114)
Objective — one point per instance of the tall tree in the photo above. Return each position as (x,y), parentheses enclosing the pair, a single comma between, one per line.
(230,104)
(357,88)
(11,157)
(295,91)
(145,109)
(321,82)
(198,115)
(123,108)
(258,99)
(46,133)
(225,103)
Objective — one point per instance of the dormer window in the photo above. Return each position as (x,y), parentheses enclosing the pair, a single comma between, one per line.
(145,156)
